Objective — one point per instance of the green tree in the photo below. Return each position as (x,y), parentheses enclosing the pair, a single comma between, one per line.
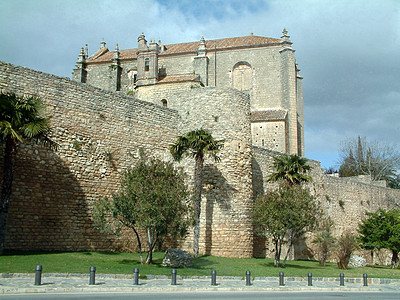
(152,198)
(197,144)
(291,169)
(381,230)
(361,157)
(21,119)
(286,213)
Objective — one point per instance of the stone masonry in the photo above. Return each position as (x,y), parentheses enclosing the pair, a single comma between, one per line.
(100,134)
(264,68)
(246,91)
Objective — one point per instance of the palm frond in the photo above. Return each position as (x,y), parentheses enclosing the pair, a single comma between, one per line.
(21,117)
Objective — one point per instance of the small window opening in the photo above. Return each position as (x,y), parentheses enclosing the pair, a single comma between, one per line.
(164,102)
(262,142)
(147,64)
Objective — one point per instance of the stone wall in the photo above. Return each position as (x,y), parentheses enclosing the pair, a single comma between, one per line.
(99,135)
(227,201)
(345,200)
(270,135)
(156,93)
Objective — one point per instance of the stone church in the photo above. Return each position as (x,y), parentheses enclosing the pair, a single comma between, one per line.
(264,68)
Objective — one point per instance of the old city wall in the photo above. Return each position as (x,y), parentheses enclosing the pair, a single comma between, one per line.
(226,227)
(99,134)
(165,91)
(345,200)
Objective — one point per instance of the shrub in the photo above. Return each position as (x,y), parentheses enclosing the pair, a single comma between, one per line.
(347,243)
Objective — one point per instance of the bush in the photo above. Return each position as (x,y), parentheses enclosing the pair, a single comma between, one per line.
(347,243)
(324,240)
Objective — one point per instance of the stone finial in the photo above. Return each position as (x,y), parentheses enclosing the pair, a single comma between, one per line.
(81,57)
(86,51)
(142,43)
(201,50)
(161,45)
(103,44)
(142,37)
(116,55)
(285,39)
(153,45)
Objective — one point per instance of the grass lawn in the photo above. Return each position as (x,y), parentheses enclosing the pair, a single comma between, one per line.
(124,263)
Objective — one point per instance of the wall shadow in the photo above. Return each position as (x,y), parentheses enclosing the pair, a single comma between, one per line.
(219,192)
(259,241)
(48,207)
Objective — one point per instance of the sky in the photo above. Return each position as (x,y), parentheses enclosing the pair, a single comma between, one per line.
(348,51)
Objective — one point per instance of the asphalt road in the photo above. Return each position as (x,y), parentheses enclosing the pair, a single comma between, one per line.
(209,295)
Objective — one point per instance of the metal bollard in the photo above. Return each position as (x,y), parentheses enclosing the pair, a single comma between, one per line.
(248,278)
(136,276)
(92,279)
(38,275)
(365,277)
(281,279)
(213,277)
(173,277)
(309,279)
(341,279)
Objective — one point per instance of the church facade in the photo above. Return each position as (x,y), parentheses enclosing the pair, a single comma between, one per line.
(264,68)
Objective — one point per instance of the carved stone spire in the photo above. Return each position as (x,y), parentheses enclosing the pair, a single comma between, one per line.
(116,54)
(285,37)
(81,58)
(86,51)
(142,43)
(202,49)
(285,40)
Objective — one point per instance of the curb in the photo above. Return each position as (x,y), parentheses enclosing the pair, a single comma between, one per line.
(180,277)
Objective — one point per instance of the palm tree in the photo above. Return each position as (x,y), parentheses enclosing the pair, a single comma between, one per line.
(290,169)
(20,118)
(197,144)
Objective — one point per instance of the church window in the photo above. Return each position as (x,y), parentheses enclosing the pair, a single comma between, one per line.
(132,75)
(147,64)
(242,76)
(164,102)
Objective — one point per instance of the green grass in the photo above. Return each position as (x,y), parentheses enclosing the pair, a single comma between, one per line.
(124,263)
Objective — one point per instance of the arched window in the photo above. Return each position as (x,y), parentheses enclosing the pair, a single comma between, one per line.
(147,64)
(242,76)
(132,75)
(164,102)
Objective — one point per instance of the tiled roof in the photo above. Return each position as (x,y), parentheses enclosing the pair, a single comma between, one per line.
(244,41)
(268,115)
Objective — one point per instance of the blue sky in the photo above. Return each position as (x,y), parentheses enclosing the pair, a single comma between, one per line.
(348,51)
